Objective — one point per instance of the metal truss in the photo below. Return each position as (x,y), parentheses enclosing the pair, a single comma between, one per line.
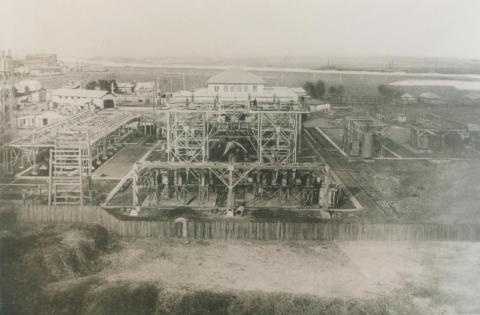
(151,182)
(272,135)
(92,132)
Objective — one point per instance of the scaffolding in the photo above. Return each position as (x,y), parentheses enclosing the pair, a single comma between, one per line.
(228,156)
(95,133)
(67,152)
(272,135)
(433,132)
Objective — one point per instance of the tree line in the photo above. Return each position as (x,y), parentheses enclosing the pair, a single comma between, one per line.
(317,90)
(104,85)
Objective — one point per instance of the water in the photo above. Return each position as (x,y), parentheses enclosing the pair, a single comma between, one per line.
(458,84)
(107,63)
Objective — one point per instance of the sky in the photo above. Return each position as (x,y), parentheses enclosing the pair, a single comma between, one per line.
(242,28)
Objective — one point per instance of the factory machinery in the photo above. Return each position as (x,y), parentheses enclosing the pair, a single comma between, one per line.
(228,156)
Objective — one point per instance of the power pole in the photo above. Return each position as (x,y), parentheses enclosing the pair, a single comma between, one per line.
(7,86)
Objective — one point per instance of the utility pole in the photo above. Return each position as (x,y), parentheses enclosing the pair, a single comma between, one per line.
(7,86)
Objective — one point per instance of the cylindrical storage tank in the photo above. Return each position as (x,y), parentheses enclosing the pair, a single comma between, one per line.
(367,148)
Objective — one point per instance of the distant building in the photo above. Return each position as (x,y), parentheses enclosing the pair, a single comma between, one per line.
(34,61)
(30,91)
(42,63)
(407,98)
(429,98)
(145,91)
(38,120)
(237,85)
(299,91)
(77,100)
(26,86)
(321,108)
(125,87)
(402,118)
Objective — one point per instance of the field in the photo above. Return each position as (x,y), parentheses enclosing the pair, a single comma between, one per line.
(441,192)
(172,79)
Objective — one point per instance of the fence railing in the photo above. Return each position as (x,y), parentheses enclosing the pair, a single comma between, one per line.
(241,230)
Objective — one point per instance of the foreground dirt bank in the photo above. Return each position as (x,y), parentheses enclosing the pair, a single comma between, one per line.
(79,270)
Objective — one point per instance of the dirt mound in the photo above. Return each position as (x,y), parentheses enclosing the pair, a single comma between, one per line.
(44,254)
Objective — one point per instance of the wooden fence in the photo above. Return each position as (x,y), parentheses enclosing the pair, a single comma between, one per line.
(241,230)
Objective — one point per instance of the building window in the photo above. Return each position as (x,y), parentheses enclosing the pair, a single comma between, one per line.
(245,88)
(254,88)
(232,88)
(239,88)
(225,88)
(217,88)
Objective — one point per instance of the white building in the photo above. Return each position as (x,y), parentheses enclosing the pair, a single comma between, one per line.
(27,86)
(38,120)
(125,87)
(236,85)
(407,98)
(30,91)
(71,101)
(300,92)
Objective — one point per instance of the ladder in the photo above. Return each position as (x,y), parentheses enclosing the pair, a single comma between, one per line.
(66,176)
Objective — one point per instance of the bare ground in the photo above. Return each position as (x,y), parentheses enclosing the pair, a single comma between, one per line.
(431,272)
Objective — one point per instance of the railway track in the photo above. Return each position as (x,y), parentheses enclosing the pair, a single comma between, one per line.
(351,178)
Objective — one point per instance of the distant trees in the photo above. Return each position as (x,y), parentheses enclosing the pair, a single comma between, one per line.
(336,90)
(388,91)
(104,85)
(316,90)
(92,85)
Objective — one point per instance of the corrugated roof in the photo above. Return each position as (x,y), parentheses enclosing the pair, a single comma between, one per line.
(236,76)
(80,93)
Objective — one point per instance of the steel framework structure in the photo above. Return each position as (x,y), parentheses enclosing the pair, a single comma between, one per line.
(272,134)
(70,146)
(190,170)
